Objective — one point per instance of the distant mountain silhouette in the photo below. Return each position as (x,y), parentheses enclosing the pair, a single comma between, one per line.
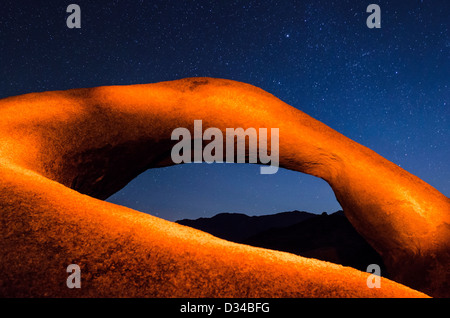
(237,227)
(326,237)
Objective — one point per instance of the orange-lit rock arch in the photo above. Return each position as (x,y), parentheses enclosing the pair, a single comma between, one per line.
(62,151)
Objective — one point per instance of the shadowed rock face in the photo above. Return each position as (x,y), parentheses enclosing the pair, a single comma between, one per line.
(95,141)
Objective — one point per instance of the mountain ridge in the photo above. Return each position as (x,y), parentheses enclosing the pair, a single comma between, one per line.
(328,237)
(239,226)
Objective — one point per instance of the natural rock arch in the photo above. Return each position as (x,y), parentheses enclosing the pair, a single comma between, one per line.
(96,140)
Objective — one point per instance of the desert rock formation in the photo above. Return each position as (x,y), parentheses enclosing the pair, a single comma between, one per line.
(62,152)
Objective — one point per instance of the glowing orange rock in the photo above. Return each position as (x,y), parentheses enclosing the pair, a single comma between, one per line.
(59,151)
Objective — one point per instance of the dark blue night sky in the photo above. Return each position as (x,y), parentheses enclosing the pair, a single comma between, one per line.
(387,88)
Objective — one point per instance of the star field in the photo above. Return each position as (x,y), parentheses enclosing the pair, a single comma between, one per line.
(386,88)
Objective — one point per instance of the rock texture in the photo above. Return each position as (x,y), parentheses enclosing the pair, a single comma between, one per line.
(60,152)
